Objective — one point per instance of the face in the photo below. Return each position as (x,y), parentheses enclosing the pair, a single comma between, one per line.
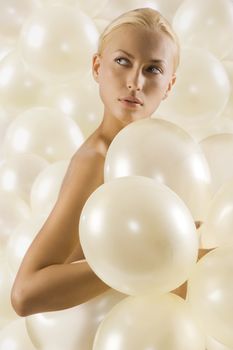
(126,68)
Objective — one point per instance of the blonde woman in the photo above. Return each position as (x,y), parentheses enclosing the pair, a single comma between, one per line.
(135,67)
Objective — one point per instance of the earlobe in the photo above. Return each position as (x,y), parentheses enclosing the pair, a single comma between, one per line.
(95,66)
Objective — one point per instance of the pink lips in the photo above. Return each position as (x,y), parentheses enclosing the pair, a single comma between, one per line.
(131,99)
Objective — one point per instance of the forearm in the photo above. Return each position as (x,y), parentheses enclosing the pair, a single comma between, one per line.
(57,287)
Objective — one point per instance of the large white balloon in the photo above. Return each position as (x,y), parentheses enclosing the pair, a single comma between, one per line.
(229,107)
(163,151)
(210,294)
(14,336)
(57,42)
(17,173)
(207,24)
(73,328)
(138,235)
(149,322)
(45,132)
(213,344)
(201,91)
(46,187)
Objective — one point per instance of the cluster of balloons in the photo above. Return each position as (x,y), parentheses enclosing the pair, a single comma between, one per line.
(160,175)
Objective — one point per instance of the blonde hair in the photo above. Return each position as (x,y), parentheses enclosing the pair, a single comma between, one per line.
(146,18)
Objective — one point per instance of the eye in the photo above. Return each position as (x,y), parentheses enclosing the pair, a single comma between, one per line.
(156,70)
(120,58)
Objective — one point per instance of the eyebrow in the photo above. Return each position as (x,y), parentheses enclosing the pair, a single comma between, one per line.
(151,60)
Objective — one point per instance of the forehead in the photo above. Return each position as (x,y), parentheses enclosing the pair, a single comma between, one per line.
(141,42)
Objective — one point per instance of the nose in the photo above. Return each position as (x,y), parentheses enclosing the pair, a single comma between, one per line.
(135,81)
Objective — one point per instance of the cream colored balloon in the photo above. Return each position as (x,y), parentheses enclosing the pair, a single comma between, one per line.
(73,328)
(228,65)
(45,132)
(115,8)
(221,125)
(219,220)
(213,344)
(6,281)
(20,240)
(46,187)
(12,16)
(201,91)
(207,24)
(161,150)
(92,8)
(210,294)
(5,120)
(149,322)
(5,48)
(13,211)
(77,100)
(138,235)
(57,42)
(168,8)
(17,173)
(19,89)
(218,150)
(14,336)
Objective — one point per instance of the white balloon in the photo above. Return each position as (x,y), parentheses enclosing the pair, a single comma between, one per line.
(14,336)
(213,344)
(201,91)
(57,42)
(218,150)
(20,240)
(77,100)
(12,16)
(73,328)
(19,89)
(6,282)
(46,187)
(229,107)
(45,132)
(207,24)
(13,211)
(17,173)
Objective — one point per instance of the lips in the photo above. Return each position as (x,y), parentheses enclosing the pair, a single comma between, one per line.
(131,99)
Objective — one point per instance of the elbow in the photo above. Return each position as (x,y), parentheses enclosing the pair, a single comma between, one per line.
(18,301)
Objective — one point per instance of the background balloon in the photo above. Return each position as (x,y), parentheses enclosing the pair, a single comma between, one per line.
(73,328)
(17,173)
(201,91)
(210,290)
(228,65)
(172,158)
(19,89)
(14,336)
(207,24)
(73,100)
(20,240)
(46,187)
(218,150)
(149,322)
(158,228)
(13,211)
(65,39)
(213,344)
(217,230)
(45,132)
(12,16)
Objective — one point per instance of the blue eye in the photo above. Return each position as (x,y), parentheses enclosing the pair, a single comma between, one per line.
(120,58)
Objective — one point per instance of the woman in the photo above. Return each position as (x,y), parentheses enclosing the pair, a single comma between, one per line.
(135,68)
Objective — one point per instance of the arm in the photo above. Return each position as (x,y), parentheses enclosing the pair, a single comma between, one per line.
(45,281)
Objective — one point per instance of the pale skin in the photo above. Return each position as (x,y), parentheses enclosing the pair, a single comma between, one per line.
(54,274)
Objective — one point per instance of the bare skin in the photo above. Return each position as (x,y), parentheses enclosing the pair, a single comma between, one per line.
(48,279)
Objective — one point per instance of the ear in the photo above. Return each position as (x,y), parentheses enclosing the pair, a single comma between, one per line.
(171,83)
(95,66)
